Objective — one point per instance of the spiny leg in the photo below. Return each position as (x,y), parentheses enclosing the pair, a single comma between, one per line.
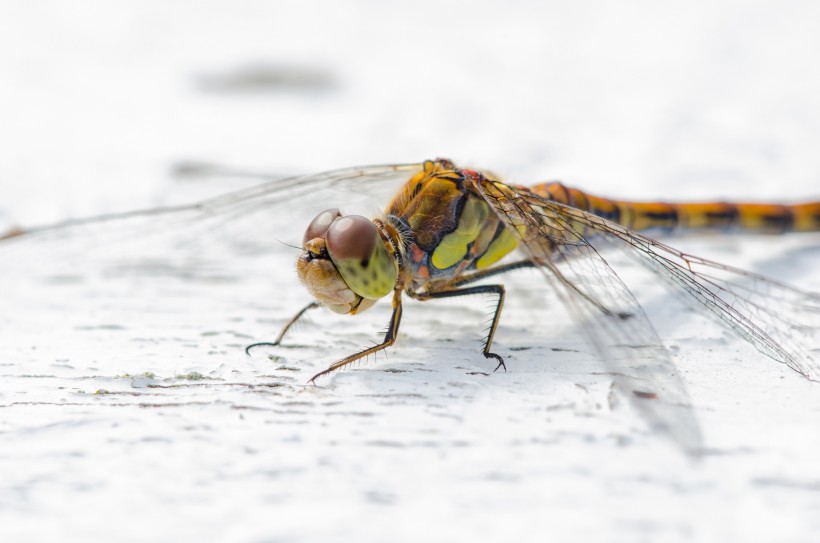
(481,289)
(284,331)
(389,339)
(520,264)
(483,274)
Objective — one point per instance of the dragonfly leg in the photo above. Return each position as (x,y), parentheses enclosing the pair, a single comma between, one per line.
(284,331)
(389,339)
(480,289)
(483,274)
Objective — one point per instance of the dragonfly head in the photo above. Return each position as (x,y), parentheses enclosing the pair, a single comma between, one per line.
(346,264)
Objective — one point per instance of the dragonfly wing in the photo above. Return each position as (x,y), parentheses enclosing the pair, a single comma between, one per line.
(237,224)
(604,307)
(781,321)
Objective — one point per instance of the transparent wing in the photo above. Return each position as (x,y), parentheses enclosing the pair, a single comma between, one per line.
(781,321)
(237,224)
(604,307)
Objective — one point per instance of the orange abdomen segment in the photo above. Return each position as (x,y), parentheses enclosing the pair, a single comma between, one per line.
(806,217)
(771,218)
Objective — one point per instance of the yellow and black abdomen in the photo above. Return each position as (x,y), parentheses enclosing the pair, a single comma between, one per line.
(447,228)
(766,218)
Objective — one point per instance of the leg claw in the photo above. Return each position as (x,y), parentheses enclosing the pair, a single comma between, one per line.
(262,344)
(500,361)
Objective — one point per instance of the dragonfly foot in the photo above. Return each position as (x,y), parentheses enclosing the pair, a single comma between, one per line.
(312,380)
(500,361)
(262,344)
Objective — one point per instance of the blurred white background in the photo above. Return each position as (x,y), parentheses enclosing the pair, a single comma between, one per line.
(639,99)
(102,101)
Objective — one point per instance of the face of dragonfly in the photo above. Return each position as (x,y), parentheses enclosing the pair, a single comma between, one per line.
(346,265)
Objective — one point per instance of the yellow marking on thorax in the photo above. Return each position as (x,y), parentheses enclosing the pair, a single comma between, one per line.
(504,244)
(453,247)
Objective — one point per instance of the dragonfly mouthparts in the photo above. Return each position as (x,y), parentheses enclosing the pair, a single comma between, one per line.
(321,254)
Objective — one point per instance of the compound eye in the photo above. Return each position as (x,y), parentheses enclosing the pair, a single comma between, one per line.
(319,225)
(359,254)
(351,238)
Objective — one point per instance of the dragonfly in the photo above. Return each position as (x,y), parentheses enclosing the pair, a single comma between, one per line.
(450,232)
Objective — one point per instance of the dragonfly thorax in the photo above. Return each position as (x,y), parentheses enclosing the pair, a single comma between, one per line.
(347,264)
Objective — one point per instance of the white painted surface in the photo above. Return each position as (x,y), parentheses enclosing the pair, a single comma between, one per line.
(128,410)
